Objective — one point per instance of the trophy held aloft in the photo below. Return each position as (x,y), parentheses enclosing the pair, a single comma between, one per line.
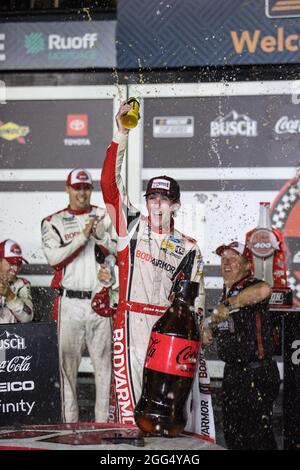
(268,258)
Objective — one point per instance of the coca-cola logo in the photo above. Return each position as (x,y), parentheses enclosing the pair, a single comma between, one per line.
(16,364)
(284,125)
(152,347)
(187,356)
(263,243)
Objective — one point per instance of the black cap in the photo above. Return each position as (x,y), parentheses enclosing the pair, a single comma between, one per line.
(164,185)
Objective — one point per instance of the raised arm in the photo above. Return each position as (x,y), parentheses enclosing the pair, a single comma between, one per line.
(114,192)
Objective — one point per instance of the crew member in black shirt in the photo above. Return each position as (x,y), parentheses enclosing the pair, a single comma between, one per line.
(241,325)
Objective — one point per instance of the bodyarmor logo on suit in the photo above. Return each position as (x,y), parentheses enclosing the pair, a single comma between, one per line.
(70,236)
(121,378)
(156,262)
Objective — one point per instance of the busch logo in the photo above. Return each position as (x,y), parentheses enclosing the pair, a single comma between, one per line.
(11,341)
(284,125)
(233,124)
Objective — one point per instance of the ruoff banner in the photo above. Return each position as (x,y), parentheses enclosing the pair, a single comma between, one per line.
(29,374)
(202,32)
(57,45)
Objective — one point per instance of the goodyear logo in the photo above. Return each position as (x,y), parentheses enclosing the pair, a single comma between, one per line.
(12,131)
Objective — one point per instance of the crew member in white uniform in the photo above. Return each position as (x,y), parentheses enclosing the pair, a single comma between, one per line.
(76,241)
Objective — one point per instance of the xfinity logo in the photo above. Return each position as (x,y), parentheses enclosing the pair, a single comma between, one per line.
(57,42)
(284,125)
(233,124)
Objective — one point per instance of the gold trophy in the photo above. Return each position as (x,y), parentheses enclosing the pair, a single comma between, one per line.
(268,258)
(130,119)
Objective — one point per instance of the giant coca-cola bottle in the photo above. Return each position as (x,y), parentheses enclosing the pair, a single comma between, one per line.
(170,365)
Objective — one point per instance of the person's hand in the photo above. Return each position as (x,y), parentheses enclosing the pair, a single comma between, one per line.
(104,274)
(99,228)
(220,314)
(207,337)
(89,227)
(123,109)
(5,290)
(3,287)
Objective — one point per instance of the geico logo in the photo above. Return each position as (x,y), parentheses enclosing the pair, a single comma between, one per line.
(262,245)
(251,41)
(296,354)
(16,386)
(55,41)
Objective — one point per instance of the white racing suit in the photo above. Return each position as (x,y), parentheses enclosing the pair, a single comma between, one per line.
(148,262)
(77,262)
(19,309)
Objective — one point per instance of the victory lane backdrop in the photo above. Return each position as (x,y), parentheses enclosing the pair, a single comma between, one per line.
(29,374)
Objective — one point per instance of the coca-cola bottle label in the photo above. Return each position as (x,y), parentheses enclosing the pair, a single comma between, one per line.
(172,355)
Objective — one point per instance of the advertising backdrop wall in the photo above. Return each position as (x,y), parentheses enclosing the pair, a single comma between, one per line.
(230,145)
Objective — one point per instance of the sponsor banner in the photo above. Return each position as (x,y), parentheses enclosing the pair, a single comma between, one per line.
(29,374)
(228,132)
(173,126)
(189,33)
(56,45)
(75,135)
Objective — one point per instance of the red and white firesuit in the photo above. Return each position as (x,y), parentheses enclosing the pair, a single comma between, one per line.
(148,262)
(77,262)
(19,309)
